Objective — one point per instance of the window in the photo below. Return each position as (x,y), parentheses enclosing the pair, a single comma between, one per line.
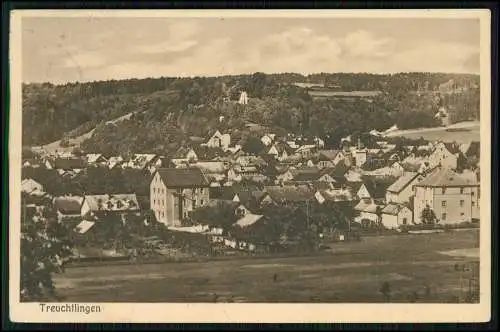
(461,203)
(405,221)
(461,191)
(472,193)
(473,203)
(154,201)
(443,216)
(462,214)
(443,203)
(443,191)
(201,202)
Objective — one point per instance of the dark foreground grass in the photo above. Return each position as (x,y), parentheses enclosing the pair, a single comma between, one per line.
(411,264)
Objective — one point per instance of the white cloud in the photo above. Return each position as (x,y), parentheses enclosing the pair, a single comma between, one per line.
(152,51)
(362,43)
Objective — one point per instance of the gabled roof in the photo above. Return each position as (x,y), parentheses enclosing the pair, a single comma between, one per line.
(210,166)
(447,178)
(393,209)
(376,187)
(68,205)
(328,154)
(375,163)
(307,176)
(69,163)
(410,167)
(366,206)
(248,219)
(337,195)
(183,177)
(402,182)
(93,157)
(473,150)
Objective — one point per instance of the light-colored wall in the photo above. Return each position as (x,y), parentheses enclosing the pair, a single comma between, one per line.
(395,221)
(363,193)
(360,158)
(405,194)
(454,210)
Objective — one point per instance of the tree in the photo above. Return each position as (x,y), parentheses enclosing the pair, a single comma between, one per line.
(428,216)
(253,145)
(45,248)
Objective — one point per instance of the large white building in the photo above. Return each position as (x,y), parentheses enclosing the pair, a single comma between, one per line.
(453,197)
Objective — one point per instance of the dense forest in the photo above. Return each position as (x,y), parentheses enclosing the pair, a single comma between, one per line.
(167,111)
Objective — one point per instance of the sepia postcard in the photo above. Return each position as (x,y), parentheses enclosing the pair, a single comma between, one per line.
(230,166)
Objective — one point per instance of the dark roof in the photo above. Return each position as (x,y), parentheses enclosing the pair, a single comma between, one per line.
(67,205)
(452,147)
(183,177)
(377,187)
(69,163)
(375,163)
(473,150)
(409,167)
(336,172)
(307,176)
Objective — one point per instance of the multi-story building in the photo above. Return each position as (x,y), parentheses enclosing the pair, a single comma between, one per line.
(174,192)
(453,197)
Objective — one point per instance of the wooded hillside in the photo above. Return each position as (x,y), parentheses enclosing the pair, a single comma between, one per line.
(167,111)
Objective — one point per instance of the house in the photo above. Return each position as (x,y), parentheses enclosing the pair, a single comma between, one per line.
(214,171)
(320,143)
(402,189)
(473,150)
(249,197)
(68,208)
(333,195)
(373,188)
(287,194)
(360,157)
(96,159)
(353,176)
(329,158)
(306,150)
(97,206)
(308,177)
(443,116)
(114,162)
(176,191)
(68,164)
(248,219)
(268,139)
(396,215)
(185,155)
(453,198)
(30,186)
(445,155)
(31,162)
(280,151)
(218,140)
(144,161)
(367,210)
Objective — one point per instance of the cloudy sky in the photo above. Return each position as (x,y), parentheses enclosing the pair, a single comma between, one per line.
(81,49)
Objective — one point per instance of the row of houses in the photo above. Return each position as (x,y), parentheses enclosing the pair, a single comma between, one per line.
(176,192)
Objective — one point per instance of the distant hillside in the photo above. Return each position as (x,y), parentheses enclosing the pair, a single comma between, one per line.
(166,111)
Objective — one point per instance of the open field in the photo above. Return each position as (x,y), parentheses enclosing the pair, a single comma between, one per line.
(353,273)
(470,131)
